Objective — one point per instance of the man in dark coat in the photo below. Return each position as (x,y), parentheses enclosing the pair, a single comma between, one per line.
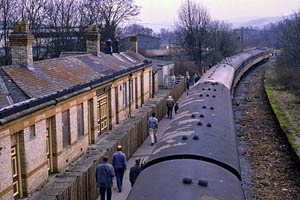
(104,175)
(119,164)
(170,105)
(135,171)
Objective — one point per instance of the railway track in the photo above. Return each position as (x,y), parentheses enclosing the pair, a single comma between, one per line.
(268,169)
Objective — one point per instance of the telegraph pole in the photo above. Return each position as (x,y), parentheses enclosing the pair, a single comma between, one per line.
(242,39)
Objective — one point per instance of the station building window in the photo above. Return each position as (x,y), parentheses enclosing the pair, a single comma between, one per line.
(66,128)
(80,123)
(125,94)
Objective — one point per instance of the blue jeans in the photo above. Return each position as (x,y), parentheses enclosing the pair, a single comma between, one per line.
(119,176)
(102,193)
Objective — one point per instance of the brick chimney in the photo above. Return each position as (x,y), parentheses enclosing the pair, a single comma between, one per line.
(21,41)
(92,40)
(134,43)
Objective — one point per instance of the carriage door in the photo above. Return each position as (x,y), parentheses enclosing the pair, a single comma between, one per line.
(102,113)
(49,132)
(15,164)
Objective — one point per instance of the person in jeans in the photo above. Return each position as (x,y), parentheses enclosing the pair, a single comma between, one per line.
(104,175)
(119,164)
(153,124)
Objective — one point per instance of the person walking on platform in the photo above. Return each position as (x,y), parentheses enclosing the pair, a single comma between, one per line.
(104,175)
(135,171)
(119,164)
(176,108)
(153,124)
(170,105)
(187,82)
(173,81)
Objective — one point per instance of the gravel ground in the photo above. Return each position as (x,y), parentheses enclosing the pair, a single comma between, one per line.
(269,169)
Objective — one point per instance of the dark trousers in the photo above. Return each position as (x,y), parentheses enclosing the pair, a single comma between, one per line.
(132,182)
(170,111)
(102,193)
(119,176)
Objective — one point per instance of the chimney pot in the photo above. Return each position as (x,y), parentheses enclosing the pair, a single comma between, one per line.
(92,28)
(108,48)
(21,27)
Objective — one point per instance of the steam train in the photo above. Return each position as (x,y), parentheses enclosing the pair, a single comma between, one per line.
(197,156)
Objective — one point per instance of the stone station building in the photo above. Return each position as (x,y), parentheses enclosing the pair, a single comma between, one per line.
(52,110)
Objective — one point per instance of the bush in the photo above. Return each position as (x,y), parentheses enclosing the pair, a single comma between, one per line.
(287,75)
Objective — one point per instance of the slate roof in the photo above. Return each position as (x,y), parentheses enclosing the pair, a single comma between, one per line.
(8,89)
(3,100)
(52,75)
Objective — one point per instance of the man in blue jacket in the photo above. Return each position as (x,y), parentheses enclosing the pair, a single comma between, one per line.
(119,164)
(104,175)
(153,124)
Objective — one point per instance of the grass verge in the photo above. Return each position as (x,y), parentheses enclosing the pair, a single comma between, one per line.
(286,107)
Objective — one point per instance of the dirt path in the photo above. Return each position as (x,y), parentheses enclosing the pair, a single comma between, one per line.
(269,170)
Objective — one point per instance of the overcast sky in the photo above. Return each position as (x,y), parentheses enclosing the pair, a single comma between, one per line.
(164,12)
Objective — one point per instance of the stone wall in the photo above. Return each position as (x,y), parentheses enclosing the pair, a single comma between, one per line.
(5,154)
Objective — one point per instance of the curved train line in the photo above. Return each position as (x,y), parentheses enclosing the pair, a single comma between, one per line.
(197,156)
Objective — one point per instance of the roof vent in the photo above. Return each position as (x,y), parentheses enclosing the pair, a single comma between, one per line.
(116,46)
(108,47)
(196,137)
(203,183)
(187,180)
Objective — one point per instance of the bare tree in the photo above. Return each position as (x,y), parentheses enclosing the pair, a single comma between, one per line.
(288,63)
(89,12)
(138,29)
(7,17)
(192,29)
(290,39)
(33,11)
(223,41)
(114,12)
(60,25)
(62,17)
(167,36)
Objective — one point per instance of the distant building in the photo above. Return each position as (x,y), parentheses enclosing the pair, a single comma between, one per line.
(51,110)
(149,47)
(144,42)
(164,69)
